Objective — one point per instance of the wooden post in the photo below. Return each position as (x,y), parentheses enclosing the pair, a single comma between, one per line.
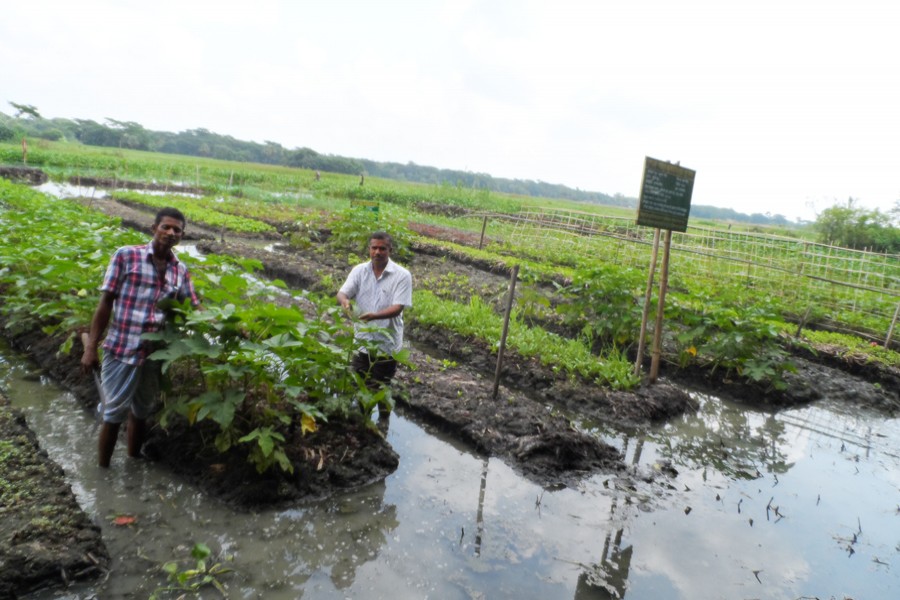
(887,340)
(660,308)
(483,227)
(509,304)
(646,311)
(24,151)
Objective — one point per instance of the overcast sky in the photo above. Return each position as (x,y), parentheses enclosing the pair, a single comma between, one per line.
(780,106)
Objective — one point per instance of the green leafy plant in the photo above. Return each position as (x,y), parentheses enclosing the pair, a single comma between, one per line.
(201,570)
(602,302)
(742,340)
(256,369)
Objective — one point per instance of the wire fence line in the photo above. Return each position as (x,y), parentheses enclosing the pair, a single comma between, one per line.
(855,291)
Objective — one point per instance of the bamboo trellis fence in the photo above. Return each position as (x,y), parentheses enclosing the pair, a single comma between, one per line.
(836,281)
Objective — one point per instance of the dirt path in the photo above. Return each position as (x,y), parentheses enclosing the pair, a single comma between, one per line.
(141,220)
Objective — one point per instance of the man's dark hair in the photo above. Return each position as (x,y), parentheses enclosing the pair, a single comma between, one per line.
(381,235)
(170,212)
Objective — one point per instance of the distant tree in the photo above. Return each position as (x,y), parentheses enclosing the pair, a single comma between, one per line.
(25,109)
(7,133)
(54,135)
(852,227)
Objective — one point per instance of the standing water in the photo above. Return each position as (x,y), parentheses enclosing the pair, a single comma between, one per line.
(802,503)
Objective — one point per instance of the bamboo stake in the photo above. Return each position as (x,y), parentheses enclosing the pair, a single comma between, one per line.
(483,227)
(887,341)
(802,322)
(509,304)
(646,311)
(663,286)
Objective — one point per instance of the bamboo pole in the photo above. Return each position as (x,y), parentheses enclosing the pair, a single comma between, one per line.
(803,321)
(663,286)
(483,227)
(509,304)
(646,310)
(887,341)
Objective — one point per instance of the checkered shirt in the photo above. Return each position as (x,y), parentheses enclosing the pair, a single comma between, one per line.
(133,280)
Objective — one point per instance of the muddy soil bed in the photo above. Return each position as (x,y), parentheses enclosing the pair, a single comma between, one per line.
(23,174)
(140,219)
(45,537)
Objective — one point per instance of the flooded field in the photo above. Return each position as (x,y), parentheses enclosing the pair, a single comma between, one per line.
(803,503)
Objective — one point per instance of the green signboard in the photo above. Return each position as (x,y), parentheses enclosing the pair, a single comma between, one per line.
(665,200)
(365,205)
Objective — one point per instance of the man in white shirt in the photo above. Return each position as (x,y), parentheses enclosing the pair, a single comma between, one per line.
(381,289)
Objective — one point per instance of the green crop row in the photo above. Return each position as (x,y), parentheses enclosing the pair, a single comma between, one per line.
(478,320)
(199,210)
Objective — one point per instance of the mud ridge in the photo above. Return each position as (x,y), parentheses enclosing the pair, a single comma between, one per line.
(46,539)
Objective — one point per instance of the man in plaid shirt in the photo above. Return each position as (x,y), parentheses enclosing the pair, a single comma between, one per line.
(137,280)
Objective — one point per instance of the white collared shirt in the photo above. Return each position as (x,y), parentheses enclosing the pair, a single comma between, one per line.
(372,294)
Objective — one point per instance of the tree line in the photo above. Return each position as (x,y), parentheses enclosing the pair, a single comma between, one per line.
(201,142)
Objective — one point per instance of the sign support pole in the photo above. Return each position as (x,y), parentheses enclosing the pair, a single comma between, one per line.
(663,286)
(646,311)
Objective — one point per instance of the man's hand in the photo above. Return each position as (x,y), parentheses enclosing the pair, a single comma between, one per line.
(89,359)
(344,301)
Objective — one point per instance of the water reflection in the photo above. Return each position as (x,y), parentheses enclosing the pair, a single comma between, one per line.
(737,443)
(63,189)
(349,533)
(607,579)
